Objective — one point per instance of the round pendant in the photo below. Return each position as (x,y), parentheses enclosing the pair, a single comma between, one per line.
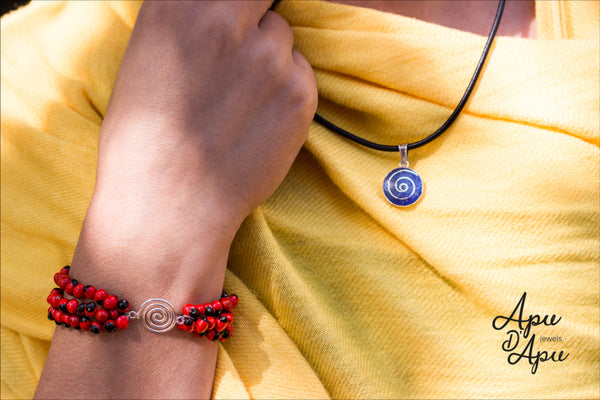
(402,187)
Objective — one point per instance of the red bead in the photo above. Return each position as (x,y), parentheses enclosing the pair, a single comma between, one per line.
(58,316)
(55,301)
(102,315)
(85,323)
(65,270)
(122,322)
(200,309)
(201,326)
(74,321)
(100,295)
(50,298)
(57,276)
(69,288)
(221,324)
(72,306)
(90,292)
(110,302)
(63,281)
(56,291)
(229,317)
(226,333)
(114,313)
(227,304)
(234,299)
(66,318)
(211,323)
(210,335)
(217,305)
(186,309)
(189,328)
(78,290)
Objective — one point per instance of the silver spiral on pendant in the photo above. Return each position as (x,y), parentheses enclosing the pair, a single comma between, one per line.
(158,315)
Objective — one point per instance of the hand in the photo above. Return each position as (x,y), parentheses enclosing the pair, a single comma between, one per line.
(209,110)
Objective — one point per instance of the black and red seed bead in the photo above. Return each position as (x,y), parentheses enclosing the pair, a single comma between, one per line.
(95,327)
(212,322)
(209,310)
(90,309)
(194,313)
(80,309)
(110,326)
(186,309)
(62,305)
(216,305)
(84,323)
(221,324)
(123,305)
(200,308)
(201,325)
(226,303)
(89,292)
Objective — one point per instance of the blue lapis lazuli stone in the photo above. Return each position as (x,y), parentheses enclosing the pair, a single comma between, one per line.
(402,187)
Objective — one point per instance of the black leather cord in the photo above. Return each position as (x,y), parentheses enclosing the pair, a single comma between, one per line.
(451,118)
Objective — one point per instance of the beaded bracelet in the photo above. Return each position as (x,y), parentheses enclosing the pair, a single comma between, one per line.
(107,313)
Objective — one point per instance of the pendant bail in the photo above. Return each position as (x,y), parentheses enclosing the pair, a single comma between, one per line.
(403,148)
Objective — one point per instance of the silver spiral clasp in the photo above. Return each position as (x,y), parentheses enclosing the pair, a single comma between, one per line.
(157,315)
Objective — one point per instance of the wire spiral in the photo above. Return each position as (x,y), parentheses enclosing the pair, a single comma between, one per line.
(403,187)
(158,315)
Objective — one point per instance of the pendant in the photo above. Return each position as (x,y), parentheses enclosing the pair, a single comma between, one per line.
(403,187)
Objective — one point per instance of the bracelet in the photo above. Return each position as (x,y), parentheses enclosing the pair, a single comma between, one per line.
(109,313)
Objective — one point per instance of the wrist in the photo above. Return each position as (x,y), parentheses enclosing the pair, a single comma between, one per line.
(140,258)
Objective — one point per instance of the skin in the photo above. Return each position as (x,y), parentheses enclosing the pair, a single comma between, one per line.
(473,16)
(188,148)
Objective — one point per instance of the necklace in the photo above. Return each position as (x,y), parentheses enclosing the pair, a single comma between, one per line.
(403,186)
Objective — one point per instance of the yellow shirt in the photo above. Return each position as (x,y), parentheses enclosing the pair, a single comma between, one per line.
(342,294)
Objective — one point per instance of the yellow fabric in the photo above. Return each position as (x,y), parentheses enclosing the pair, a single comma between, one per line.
(342,294)
(560,19)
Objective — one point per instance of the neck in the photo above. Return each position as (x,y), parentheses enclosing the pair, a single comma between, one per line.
(473,16)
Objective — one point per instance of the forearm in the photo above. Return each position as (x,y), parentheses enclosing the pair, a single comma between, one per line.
(189,146)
